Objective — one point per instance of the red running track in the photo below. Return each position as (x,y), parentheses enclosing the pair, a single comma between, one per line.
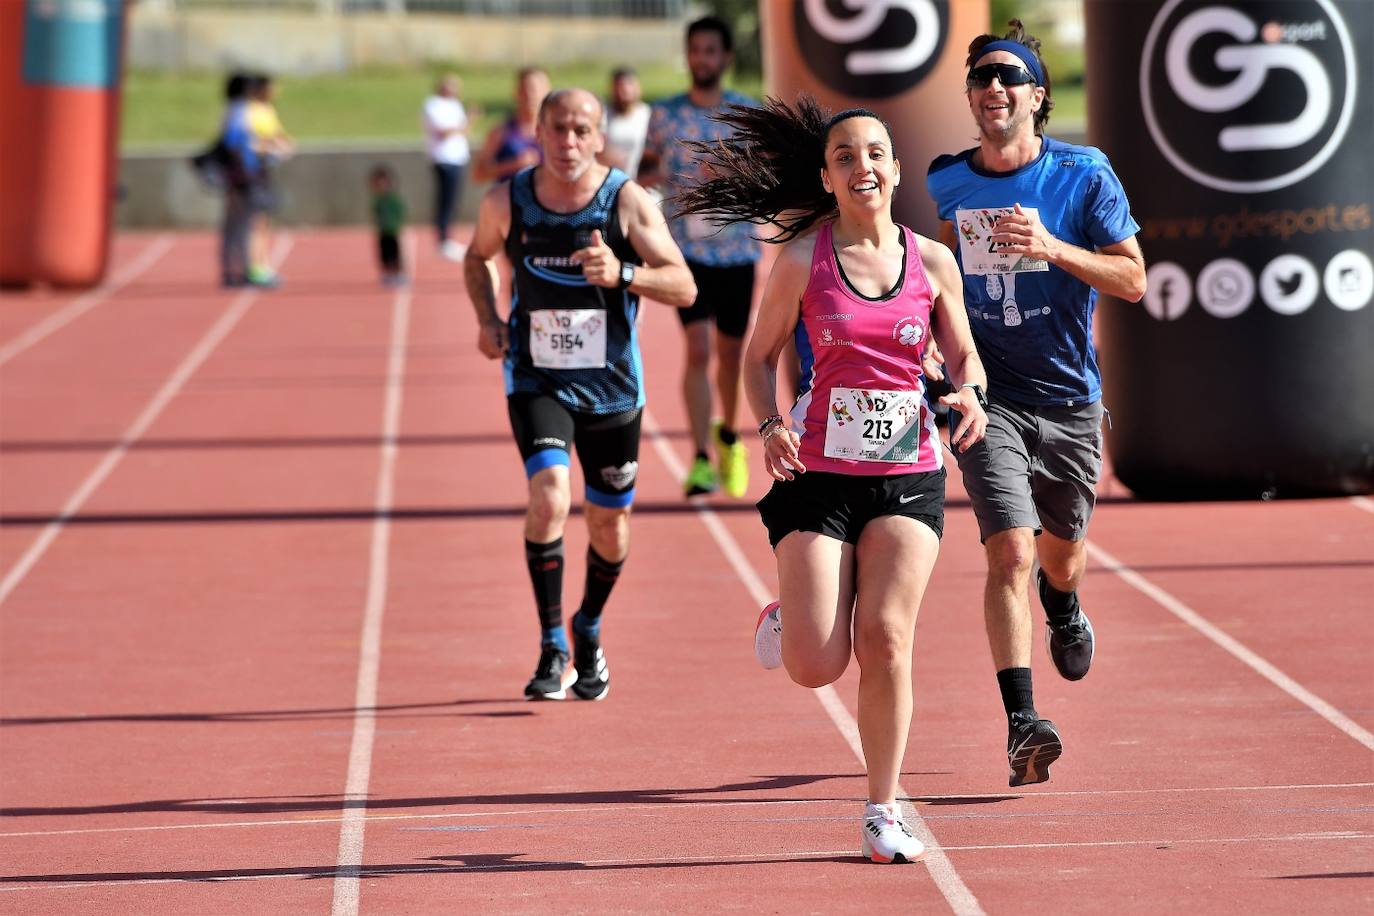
(264,625)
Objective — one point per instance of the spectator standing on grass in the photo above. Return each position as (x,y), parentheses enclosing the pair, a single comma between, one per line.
(513,146)
(446,141)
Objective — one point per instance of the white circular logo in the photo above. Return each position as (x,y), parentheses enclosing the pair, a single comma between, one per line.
(1168,291)
(1201,74)
(1289,285)
(1225,288)
(871,48)
(1349,280)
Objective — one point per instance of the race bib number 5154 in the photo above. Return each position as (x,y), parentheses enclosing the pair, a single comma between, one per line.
(568,338)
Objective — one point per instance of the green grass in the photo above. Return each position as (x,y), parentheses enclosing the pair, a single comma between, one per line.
(183,110)
(162,109)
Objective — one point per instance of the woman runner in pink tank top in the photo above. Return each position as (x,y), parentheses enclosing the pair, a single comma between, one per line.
(857,505)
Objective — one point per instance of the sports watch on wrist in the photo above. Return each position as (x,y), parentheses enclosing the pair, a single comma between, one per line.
(978,394)
(627,274)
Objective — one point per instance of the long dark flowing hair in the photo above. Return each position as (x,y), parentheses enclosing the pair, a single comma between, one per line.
(768,172)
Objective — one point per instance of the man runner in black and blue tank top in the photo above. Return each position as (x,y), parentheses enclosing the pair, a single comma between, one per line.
(585,243)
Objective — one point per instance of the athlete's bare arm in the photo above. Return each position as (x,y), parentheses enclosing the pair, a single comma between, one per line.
(776,322)
(663,276)
(479,270)
(950,325)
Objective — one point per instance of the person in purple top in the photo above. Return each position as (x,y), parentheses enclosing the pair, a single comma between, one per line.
(513,147)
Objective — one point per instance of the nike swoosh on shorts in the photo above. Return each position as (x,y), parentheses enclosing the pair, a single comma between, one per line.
(907,499)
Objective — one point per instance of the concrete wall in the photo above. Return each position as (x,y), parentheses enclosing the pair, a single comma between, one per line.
(283,43)
(318,188)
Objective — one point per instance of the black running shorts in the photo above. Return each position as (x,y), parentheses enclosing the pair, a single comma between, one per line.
(607,444)
(723,293)
(840,505)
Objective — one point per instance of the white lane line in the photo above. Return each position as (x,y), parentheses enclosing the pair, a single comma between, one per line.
(1233,646)
(170,389)
(600,810)
(210,877)
(1363,502)
(354,820)
(87,301)
(951,886)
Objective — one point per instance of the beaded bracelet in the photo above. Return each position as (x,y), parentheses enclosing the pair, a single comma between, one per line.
(767,422)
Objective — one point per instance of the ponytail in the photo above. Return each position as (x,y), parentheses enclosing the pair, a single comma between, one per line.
(768,172)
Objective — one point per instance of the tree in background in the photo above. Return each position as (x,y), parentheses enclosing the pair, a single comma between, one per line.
(743,17)
(1042,19)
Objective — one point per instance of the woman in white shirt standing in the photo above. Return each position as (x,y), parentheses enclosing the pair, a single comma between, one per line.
(446,141)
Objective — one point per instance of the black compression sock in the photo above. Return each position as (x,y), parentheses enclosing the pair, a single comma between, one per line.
(602,575)
(727,435)
(545,563)
(1060,607)
(1015,684)
(702,456)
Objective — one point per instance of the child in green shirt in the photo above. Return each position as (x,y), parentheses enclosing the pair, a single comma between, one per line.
(388,215)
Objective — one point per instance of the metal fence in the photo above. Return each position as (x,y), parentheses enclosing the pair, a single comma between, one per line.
(630,9)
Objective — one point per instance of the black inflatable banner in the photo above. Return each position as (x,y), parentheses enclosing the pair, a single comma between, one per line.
(1243,131)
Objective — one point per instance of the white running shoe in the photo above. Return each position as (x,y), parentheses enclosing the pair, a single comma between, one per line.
(768,637)
(452,250)
(886,836)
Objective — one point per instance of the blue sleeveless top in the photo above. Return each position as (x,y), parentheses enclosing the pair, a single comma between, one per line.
(539,245)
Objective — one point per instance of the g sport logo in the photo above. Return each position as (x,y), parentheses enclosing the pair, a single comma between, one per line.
(1248,97)
(871,48)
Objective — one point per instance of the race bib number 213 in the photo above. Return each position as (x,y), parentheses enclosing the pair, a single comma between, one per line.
(868,425)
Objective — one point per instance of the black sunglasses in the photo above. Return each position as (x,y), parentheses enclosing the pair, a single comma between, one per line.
(1006,74)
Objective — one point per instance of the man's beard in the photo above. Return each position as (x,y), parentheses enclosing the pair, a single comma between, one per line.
(707,82)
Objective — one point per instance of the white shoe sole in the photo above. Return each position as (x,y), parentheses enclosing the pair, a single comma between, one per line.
(768,637)
(569,678)
(873,855)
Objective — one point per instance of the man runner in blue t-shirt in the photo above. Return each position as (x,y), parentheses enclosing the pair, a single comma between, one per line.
(1040,227)
(584,243)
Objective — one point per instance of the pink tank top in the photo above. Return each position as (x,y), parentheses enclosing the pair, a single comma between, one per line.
(862,409)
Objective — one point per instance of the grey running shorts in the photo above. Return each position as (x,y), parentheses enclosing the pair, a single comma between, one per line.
(1037,468)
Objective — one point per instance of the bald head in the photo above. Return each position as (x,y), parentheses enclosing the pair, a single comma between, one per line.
(571,101)
(569,131)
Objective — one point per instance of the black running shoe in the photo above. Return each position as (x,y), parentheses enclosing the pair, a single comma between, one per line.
(552,677)
(1071,645)
(593,675)
(1032,745)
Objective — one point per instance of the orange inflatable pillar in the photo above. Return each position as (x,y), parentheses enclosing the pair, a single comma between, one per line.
(903,59)
(19,158)
(59,94)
